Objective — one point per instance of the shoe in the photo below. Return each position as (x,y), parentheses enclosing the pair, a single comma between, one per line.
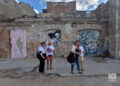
(82,69)
(80,72)
(51,68)
(72,72)
(42,72)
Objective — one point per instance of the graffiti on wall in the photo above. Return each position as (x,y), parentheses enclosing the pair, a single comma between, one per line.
(18,42)
(54,37)
(90,41)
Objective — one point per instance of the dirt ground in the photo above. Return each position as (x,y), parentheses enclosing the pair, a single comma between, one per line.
(19,73)
(11,78)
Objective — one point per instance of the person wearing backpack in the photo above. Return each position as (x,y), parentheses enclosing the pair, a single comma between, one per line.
(76,52)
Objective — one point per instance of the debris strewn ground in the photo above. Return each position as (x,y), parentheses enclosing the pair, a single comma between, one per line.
(24,72)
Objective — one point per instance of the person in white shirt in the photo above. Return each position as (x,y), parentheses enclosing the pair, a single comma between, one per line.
(50,54)
(41,55)
(81,56)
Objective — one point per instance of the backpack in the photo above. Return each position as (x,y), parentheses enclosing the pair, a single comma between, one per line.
(71,57)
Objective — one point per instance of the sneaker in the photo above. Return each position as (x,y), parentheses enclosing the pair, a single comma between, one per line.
(82,69)
(42,72)
(80,72)
(72,72)
(51,68)
(47,68)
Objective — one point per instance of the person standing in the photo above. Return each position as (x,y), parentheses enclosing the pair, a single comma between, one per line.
(50,54)
(41,55)
(81,56)
(76,51)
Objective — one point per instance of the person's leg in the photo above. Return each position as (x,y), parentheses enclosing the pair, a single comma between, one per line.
(38,56)
(78,65)
(51,61)
(48,59)
(41,65)
(72,67)
(81,64)
(43,69)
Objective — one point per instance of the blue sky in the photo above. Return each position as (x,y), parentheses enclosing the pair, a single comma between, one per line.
(81,5)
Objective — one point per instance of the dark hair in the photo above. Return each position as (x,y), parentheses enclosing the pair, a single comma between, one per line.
(77,41)
(42,43)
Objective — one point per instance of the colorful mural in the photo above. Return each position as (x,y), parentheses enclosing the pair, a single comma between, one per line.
(90,41)
(18,42)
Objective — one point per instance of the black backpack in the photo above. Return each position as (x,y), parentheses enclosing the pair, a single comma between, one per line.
(71,57)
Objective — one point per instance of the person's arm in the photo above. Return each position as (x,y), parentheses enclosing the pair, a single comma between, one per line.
(83,50)
(42,55)
(54,52)
(76,52)
(73,50)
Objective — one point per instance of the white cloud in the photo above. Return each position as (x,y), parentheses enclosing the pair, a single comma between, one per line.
(85,4)
(82,4)
(36,11)
(17,1)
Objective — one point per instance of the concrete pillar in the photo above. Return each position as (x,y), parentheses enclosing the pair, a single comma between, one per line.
(117,51)
(114,28)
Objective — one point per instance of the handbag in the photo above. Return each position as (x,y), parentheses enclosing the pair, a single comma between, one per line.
(71,57)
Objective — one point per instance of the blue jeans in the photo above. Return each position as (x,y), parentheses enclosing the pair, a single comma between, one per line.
(78,65)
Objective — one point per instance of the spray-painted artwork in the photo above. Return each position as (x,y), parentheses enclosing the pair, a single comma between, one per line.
(90,41)
(18,42)
(55,37)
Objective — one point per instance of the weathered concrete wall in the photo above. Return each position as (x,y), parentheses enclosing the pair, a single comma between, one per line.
(12,9)
(63,34)
(114,28)
(70,33)
(4,42)
(63,29)
(102,12)
(111,12)
(61,7)
(117,29)
(64,40)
